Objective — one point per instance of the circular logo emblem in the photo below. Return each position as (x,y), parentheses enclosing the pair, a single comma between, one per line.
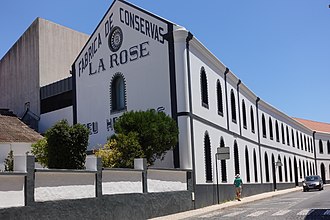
(115,39)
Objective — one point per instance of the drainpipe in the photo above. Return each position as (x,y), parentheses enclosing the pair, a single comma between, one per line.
(239,108)
(259,144)
(315,152)
(189,38)
(225,75)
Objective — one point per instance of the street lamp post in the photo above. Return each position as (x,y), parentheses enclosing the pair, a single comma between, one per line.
(216,170)
(221,154)
(278,163)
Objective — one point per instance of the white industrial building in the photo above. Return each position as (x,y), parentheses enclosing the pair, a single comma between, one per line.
(135,60)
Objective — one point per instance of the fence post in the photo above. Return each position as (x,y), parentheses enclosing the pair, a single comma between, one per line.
(26,163)
(95,164)
(189,181)
(141,164)
(98,192)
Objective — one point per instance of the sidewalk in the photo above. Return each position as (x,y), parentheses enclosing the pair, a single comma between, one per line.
(244,200)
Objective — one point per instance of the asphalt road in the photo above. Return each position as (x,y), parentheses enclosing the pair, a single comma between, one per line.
(295,205)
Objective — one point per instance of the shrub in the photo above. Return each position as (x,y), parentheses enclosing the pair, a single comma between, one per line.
(155,131)
(67,145)
(40,151)
(120,151)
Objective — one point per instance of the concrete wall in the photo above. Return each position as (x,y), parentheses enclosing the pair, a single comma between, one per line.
(48,119)
(64,185)
(124,206)
(42,55)
(58,47)
(206,194)
(19,73)
(11,190)
(46,193)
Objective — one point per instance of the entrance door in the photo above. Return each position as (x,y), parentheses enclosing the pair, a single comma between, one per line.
(295,167)
(274,172)
(323,172)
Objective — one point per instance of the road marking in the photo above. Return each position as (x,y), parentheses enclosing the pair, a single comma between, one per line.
(327,212)
(305,212)
(258,213)
(234,214)
(281,212)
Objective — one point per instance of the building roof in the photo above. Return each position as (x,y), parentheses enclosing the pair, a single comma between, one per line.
(314,125)
(14,130)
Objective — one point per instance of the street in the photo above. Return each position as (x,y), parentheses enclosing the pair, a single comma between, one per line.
(295,205)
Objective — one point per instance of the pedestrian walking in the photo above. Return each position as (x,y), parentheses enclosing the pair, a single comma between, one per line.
(238,187)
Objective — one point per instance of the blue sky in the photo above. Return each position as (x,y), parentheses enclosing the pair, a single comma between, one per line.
(279,49)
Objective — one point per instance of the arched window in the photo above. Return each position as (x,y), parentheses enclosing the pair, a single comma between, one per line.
(233,106)
(270,128)
(311,145)
(300,173)
(328,146)
(263,122)
(204,90)
(223,164)
(283,135)
(304,168)
(277,132)
(247,164)
(236,158)
(307,168)
(285,170)
(207,157)
(273,169)
(266,167)
(244,114)
(320,146)
(287,136)
(280,170)
(255,166)
(219,98)
(292,136)
(118,93)
(290,170)
(297,135)
(252,119)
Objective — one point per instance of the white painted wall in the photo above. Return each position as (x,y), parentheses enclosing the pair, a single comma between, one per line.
(18,149)
(146,77)
(165,180)
(66,185)
(48,119)
(118,182)
(11,191)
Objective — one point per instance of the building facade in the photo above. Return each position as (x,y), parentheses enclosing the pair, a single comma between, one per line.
(136,60)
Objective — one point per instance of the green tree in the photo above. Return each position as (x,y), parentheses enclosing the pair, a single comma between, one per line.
(67,145)
(40,151)
(156,132)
